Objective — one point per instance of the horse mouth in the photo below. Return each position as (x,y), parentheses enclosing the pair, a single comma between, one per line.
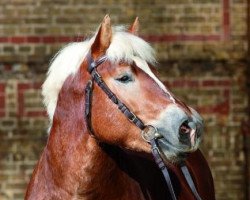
(174,149)
(174,153)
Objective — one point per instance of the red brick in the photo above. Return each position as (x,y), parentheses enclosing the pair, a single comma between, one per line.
(223,83)
(226,19)
(7,68)
(2,102)
(178,83)
(36,85)
(221,108)
(208,83)
(215,83)
(4,39)
(192,83)
(2,88)
(49,39)
(34,39)
(150,38)
(24,86)
(167,83)
(184,83)
(78,38)
(246,129)
(18,39)
(20,104)
(199,37)
(64,39)
(181,37)
(226,93)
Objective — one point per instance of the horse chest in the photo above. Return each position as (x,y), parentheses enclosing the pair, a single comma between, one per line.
(120,187)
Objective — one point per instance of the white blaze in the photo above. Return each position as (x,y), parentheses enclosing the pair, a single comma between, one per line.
(142,64)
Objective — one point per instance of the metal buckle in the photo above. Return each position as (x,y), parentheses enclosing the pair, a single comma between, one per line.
(133,117)
(92,65)
(149,133)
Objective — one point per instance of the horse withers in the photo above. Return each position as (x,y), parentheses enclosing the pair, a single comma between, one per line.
(102,97)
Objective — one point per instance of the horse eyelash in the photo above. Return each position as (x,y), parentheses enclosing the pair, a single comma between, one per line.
(130,78)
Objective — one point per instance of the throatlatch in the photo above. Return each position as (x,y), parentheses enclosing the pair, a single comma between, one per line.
(149,133)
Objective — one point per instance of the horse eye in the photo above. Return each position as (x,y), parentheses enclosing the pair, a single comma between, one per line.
(124,79)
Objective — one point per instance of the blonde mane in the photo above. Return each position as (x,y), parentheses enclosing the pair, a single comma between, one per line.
(124,46)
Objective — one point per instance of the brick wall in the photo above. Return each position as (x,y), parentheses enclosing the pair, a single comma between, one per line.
(217,91)
(33,30)
(201,47)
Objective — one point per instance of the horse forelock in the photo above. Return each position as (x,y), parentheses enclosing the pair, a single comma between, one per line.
(124,47)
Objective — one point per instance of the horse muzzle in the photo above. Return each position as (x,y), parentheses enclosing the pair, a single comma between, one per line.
(176,131)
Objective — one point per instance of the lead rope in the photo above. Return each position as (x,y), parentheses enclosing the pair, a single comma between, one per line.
(132,118)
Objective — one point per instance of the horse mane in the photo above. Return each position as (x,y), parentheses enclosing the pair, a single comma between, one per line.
(124,47)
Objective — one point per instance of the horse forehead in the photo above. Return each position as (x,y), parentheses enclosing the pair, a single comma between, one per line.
(142,64)
(109,69)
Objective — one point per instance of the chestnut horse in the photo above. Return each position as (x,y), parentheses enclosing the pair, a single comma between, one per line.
(93,150)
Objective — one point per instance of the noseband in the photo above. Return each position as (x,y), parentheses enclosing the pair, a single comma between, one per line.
(149,133)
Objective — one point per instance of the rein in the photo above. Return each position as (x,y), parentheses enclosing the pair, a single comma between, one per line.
(149,133)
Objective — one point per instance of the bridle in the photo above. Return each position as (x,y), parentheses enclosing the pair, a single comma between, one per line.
(149,133)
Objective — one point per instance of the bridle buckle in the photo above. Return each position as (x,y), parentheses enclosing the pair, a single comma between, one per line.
(149,133)
(133,117)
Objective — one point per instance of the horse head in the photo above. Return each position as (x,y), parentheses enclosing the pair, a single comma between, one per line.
(128,70)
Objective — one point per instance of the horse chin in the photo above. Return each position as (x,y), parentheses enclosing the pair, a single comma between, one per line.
(175,153)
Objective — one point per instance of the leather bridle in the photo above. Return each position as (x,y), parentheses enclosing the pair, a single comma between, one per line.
(149,133)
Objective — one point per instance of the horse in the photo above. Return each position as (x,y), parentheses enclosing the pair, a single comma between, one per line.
(106,107)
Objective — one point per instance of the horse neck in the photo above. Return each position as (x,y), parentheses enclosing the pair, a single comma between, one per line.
(83,168)
(78,158)
(72,163)
(72,150)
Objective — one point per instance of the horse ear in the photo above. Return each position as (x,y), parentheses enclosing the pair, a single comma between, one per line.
(102,39)
(134,28)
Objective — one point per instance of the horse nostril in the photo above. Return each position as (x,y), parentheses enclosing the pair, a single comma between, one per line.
(185,128)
